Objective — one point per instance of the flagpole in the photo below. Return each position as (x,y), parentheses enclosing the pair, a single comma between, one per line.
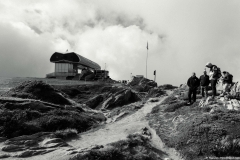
(146,60)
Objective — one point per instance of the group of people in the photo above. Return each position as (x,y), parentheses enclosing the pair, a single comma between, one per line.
(212,78)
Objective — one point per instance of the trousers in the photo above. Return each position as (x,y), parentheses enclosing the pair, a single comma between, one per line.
(192,95)
(204,91)
(213,85)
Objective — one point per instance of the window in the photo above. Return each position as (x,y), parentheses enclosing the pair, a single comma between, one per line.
(63,67)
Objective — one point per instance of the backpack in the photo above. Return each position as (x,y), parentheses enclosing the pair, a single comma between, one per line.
(230,78)
(219,73)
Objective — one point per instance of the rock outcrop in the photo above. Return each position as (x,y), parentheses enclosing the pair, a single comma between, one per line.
(142,84)
(37,90)
(206,128)
(32,145)
(120,98)
(156,92)
(95,101)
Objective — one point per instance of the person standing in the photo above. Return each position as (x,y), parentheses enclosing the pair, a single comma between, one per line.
(204,82)
(227,82)
(193,83)
(214,75)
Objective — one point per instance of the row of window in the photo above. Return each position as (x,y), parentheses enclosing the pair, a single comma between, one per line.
(63,67)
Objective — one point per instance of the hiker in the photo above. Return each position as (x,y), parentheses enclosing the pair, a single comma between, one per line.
(204,82)
(193,83)
(214,75)
(227,82)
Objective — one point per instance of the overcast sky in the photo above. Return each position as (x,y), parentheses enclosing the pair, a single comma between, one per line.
(182,36)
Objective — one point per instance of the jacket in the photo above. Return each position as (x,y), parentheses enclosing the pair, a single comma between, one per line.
(227,78)
(204,80)
(193,83)
(213,74)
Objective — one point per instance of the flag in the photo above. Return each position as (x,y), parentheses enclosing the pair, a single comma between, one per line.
(147,45)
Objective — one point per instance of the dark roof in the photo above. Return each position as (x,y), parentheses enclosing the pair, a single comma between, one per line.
(73,58)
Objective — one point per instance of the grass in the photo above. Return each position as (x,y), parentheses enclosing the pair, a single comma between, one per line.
(25,122)
(136,147)
(37,90)
(194,132)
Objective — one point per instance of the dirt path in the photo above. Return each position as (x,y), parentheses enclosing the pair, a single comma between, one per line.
(119,130)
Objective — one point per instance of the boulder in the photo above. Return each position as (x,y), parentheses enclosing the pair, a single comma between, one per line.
(156,92)
(94,102)
(120,98)
(37,90)
(142,84)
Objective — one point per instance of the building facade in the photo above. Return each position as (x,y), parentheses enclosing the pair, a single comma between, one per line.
(68,64)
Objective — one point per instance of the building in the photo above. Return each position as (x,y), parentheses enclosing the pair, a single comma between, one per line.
(68,64)
(139,76)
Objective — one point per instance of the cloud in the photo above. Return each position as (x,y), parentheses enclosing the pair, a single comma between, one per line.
(182,35)
(23,52)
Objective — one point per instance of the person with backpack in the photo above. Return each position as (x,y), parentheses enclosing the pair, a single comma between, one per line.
(204,82)
(227,82)
(193,83)
(214,75)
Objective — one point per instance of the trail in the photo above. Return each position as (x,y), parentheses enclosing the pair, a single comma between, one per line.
(119,130)
(113,132)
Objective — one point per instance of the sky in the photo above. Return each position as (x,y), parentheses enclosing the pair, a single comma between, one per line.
(182,36)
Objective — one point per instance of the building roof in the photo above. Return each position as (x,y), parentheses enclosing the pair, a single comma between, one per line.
(73,58)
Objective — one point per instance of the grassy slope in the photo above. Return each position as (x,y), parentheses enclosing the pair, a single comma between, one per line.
(135,147)
(194,131)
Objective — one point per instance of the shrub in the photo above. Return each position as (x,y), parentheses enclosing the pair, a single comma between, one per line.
(25,122)
(14,123)
(169,100)
(174,106)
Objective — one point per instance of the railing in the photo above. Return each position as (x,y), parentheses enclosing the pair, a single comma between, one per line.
(60,74)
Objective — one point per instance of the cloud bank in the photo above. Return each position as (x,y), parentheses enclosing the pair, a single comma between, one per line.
(182,35)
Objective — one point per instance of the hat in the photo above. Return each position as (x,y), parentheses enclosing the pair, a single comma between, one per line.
(209,64)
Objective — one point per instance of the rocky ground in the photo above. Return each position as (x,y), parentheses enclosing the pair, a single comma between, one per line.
(113,122)
(45,121)
(207,128)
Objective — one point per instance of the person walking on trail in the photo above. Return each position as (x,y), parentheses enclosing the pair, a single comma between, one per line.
(214,75)
(193,83)
(204,82)
(227,82)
